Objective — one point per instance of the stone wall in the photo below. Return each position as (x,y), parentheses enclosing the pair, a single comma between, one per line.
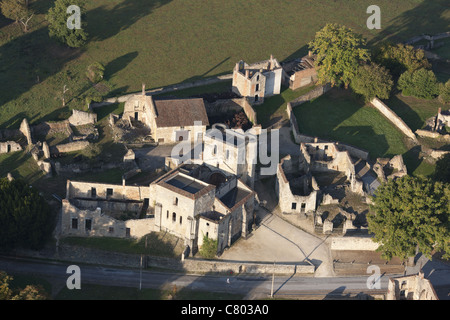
(311,95)
(433,135)
(227,106)
(102,225)
(9,146)
(25,129)
(79,118)
(170,88)
(393,117)
(203,266)
(353,243)
(69,147)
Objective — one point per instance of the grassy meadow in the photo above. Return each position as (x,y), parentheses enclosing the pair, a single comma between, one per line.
(170,41)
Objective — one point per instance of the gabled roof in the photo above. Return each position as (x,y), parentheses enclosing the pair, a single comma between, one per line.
(180,112)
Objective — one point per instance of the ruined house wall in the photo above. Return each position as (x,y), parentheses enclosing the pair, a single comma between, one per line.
(70,147)
(119,192)
(353,243)
(102,225)
(9,146)
(25,129)
(413,287)
(79,118)
(288,202)
(168,135)
(303,78)
(393,117)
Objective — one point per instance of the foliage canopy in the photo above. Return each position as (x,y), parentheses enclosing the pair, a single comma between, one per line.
(411,213)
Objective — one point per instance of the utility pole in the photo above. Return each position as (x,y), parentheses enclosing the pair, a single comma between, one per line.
(273,279)
(140,276)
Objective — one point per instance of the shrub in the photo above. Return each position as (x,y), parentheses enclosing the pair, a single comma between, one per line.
(420,84)
(209,248)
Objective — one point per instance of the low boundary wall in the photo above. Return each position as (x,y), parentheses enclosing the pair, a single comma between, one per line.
(393,117)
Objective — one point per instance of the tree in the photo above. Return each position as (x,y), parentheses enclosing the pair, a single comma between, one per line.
(411,213)
(442,171)
(339,53)
(444,92)
(26,219)
(18,11)
(31,292)
(399,58)
(421,84)
(57,18)
(372,80)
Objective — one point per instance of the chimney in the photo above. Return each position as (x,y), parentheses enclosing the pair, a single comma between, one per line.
(310,54)
(247,72)
(439,110)
(143,89)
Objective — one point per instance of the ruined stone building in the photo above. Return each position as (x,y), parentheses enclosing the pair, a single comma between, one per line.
(232,150)
(169,120)
(412,287)
(297,187)
(96,209)
(10,146)
(193,201)
(301,72)
(258,80)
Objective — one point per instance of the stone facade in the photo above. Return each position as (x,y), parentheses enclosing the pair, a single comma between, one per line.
(79,118)
(111,210)
(232,150)
(9,146)
(258,80)
(296,188)
(300,73)
(413,287)
(193,201)
(170,121)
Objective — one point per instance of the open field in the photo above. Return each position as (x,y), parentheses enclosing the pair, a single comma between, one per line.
(165,42)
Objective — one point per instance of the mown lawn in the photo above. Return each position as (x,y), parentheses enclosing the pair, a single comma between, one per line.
(163,42)
(157,244)
(414,111)
(274,108)
(341,116)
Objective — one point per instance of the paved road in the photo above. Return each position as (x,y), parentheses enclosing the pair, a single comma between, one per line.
(251,286)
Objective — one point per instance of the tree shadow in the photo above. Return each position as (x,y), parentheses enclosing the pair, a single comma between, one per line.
(405,112)
(300,53)
(119,63)
(24,59)
(425,18)
(105,23)
(412,158)
(363,137)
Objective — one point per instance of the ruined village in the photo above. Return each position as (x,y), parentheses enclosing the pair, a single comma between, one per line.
(246,174)
(323,188)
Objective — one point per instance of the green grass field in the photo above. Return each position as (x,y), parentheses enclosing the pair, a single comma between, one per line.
(165,42)
(341,116)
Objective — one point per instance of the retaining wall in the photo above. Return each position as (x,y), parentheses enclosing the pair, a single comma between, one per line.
(393,117)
